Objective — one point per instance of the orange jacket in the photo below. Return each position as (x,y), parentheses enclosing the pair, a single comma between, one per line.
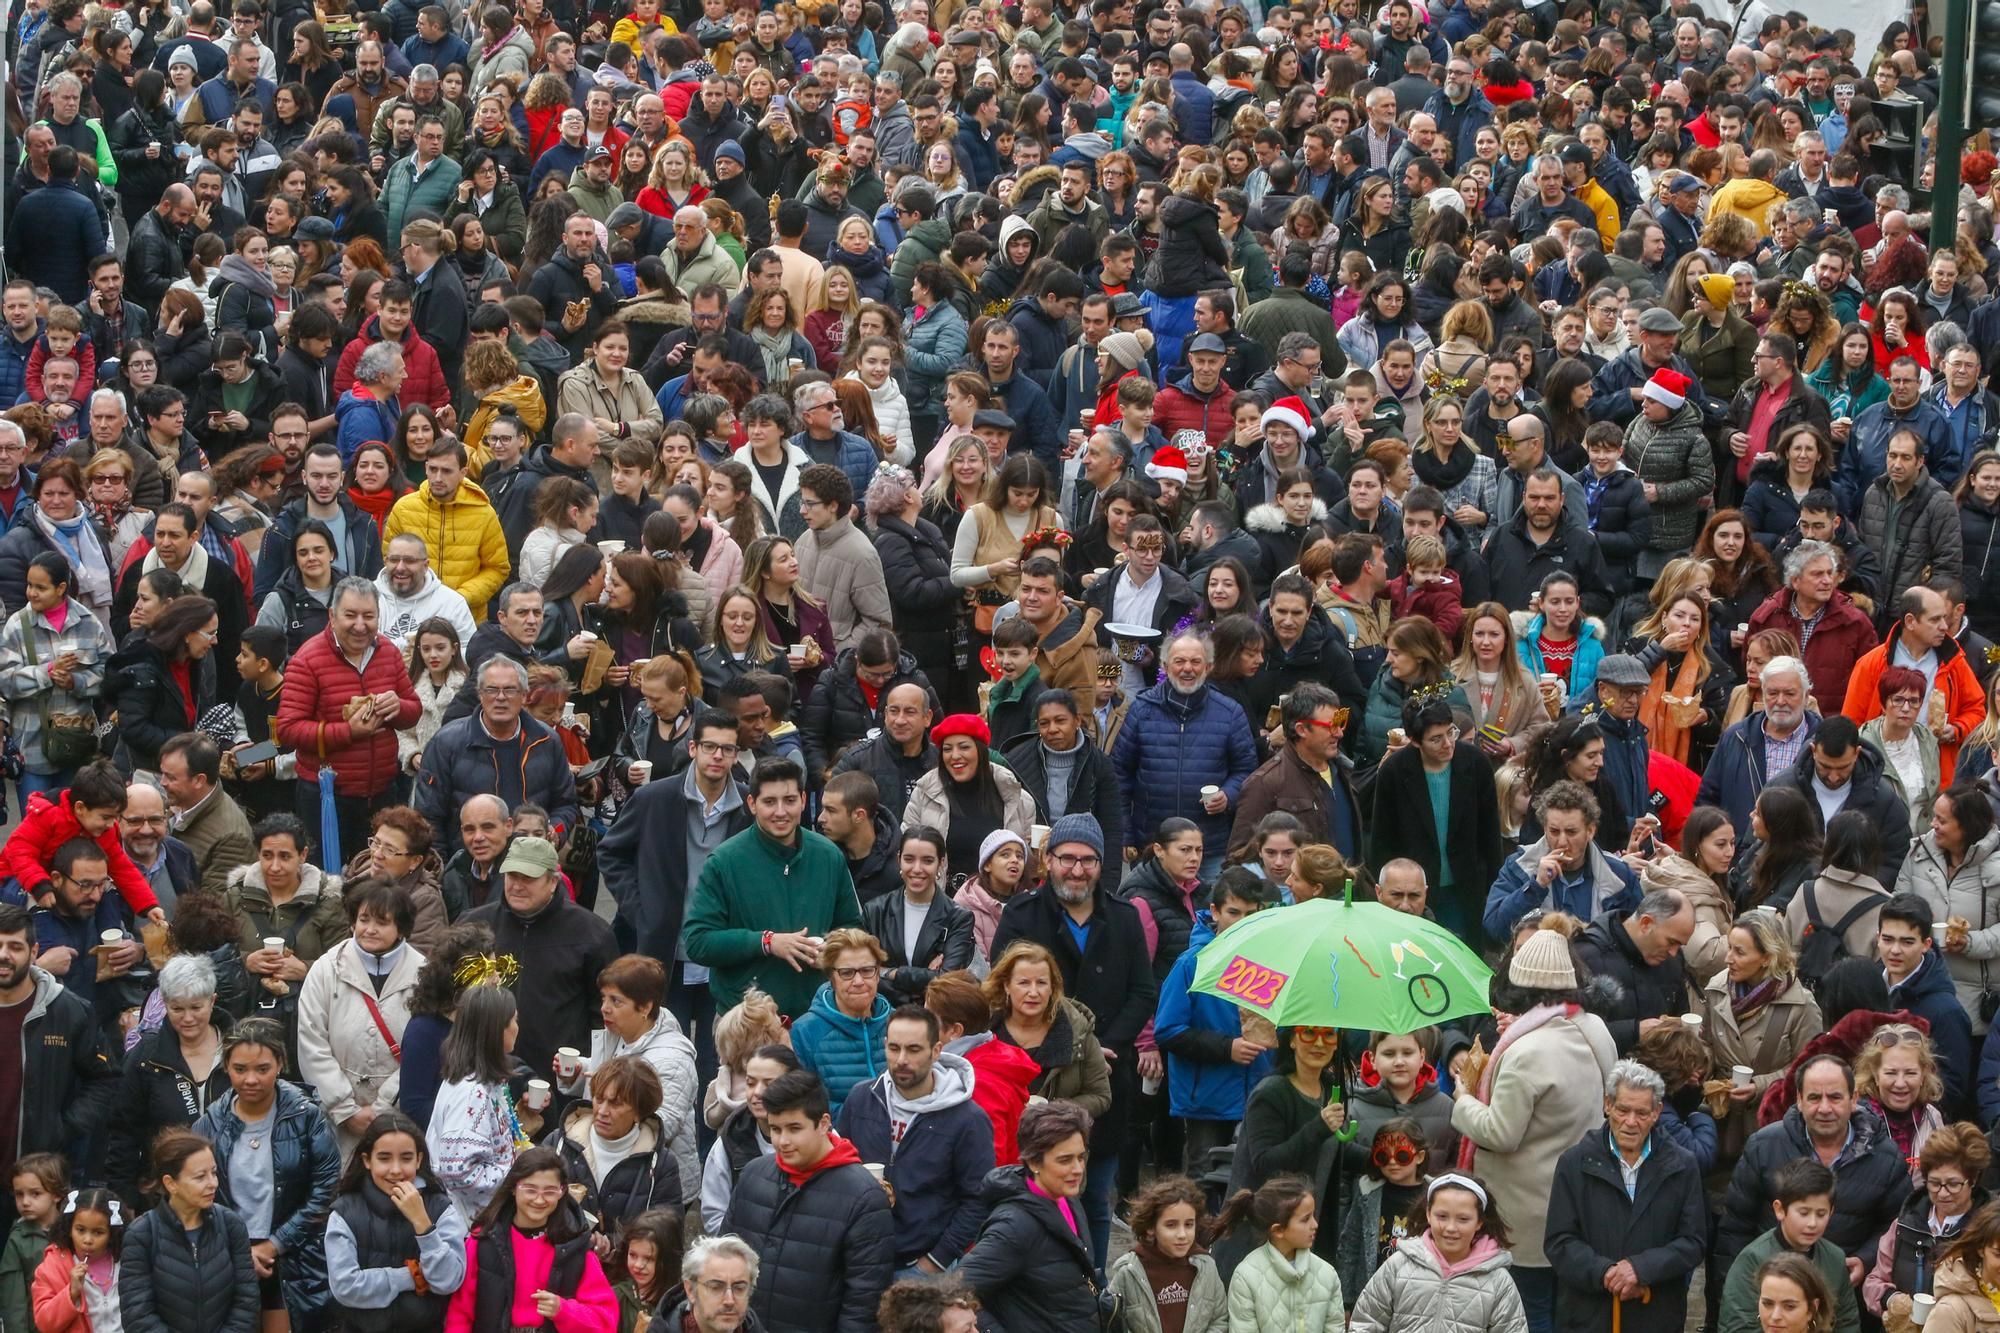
(1964,704)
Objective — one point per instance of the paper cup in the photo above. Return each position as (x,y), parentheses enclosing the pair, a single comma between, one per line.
(1210,790)
(797,654)
(1693,1021)
(275,943)
(113,936)
(1397,736)
(1551,678)
(611,548)
(1920,1309)
(644,769)
(1038,836)
(588,636)
(568,1058)
(1740,1076)
(875,1169)
(537,1096)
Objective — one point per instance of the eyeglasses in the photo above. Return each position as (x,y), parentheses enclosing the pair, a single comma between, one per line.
(500,691)
(91,885)
(1896,1034)
(715,747)
(1316,1036)
(715,1287)
(387,848)
(868,973)
(1068,862)
(1945,1184)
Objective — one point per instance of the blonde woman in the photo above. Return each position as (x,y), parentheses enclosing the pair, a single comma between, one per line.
(1689,689)
(107,488)
(674,182)
(941,172)
(1757,1013)
(1896,1077)
(960,484)
(752,1022)
(493,380)
(827,327)
(1457,365)
(726,225)
(1505,702)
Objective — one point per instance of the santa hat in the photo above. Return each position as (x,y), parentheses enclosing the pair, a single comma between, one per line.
(1668,387)
(1169,464)
(1291,412)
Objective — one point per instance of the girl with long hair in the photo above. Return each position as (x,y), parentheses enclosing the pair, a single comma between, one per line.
(76,1286)
(1800,461)
(1849,381)
(389,1193)
(1417,659)
(987,551)
(1573,750)
(644,1265)
(730,503)
(1453,1264)
(1781,854)
(436,663)
(478,1128)
(961,483)
(1689,688)
(1167,1256)
(531,1250)
(1452,465)
(1741,572)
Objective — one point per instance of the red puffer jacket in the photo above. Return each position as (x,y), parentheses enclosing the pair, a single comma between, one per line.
(319,680)
(426,382)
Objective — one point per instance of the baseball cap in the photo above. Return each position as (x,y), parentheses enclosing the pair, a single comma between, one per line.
(531,856)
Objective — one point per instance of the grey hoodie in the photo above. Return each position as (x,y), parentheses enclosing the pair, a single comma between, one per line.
(951,1083)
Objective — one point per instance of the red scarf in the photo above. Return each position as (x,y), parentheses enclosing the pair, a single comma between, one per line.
(842,1153)
(376,505)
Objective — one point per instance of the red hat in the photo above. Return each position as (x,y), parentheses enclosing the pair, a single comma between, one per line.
(962,724)
(1292,411)
(1169,464)
(1668,387)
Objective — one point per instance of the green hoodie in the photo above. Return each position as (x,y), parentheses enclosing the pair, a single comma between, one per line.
(19,1259)
(752,884)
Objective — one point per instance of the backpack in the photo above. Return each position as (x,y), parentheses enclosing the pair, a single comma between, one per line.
(1824,945)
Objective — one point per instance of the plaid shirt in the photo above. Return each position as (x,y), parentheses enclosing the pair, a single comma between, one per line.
(1781,754)
(28,689)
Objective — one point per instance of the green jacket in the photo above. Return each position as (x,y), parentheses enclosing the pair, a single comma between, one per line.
(403,193)
(1739,1291)
(752,884)
(19,1259)
(1247,255)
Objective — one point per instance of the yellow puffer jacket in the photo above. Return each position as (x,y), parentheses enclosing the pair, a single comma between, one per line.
(467,548)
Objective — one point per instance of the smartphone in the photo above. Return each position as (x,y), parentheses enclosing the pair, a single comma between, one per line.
(261,753)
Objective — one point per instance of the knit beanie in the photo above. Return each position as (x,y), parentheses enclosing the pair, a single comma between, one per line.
(1719,288)
(1543,963)
(1080,828)
(995,840)
(1127,349)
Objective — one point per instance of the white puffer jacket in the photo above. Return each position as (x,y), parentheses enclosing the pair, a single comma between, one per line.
(1411,1294)
(892,419)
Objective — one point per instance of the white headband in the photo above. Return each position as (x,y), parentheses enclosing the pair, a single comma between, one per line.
(1453,1180)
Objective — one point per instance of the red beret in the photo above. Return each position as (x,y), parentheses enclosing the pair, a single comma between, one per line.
(962,724)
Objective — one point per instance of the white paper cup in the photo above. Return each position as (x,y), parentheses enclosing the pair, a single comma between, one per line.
(1741,1075)
(113,936)
(875,1169)
(1551,678)
(1693,1021)
(1210,790)
(611,548)
(1038,836)
(275,943)
(1920,1309)
(797,654)
(568,1058)
(588,636)
(644,769)
(537,1096)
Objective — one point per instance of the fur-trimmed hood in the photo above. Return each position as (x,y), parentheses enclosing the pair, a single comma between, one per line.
(1271,517)
(1844,1039)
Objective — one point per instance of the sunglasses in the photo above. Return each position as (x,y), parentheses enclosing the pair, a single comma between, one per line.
(1335,723)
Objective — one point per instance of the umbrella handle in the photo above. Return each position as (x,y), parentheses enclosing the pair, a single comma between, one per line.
(1346,1133)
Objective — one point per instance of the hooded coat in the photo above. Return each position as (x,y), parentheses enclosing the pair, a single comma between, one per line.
(844,1051)
(468,548)
(1194,1031)
(1193,257)
(937,1158)
(1972,893)
(342,1051)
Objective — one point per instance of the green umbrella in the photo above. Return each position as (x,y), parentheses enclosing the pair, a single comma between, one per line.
(1339,963)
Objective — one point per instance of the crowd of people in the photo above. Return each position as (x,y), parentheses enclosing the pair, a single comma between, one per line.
(750,586)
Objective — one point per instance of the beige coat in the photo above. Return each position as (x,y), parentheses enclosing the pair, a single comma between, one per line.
(1836,892)
(838,565)
(929,805)
(1774,1037)
(342,1052)
(630,402)
(1707,947)
(1961,1307)
(1548,1091)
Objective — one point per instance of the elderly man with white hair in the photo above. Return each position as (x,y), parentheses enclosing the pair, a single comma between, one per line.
(369,410)
(1763,745)
(694,258)
(718,1273)
(1816,613)
(1627,1212)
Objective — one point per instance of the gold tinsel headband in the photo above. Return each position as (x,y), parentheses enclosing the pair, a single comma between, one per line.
(483,969)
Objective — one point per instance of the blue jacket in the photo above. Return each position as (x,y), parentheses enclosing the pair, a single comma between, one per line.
(218,97)
(933,347)
(1866,456)
(976,151)
(14,362)
(1195,1031)
(361,417)
(1929,993)
(844,1052)
(305,1167)
(1036,429)
(1625,764)
(451,50)
(1695,1132)
(1043,340)
(939,1165)
(1735,772)
(1172,746)
(1516,893)
(1582,666)
(1194,108)
(1989,1069)
(857,458)
(1460,123)
(1982,423)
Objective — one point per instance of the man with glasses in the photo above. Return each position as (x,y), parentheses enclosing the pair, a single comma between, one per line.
(1866,455)
(207,820)
(824,441)
(1144,591)
(1308,778)
(711,315)
(68,926)
(162,860)
(412,593)
(717,1277)
(498,751)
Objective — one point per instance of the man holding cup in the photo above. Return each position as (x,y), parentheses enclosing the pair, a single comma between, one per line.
(563,949)
(499,751)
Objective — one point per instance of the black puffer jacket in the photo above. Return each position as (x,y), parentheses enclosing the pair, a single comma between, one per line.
(1320,655)
(648,1178)
(1623,525)
(1870,1179)
(1172,917)
(1192,256)
(1979,534)
(828,1247)
(1029,1268)
(916,566)
(151,708)
(305,615)
(172,1280)
(1093,786)
(158,1093)
(837,714)
(1644,990)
